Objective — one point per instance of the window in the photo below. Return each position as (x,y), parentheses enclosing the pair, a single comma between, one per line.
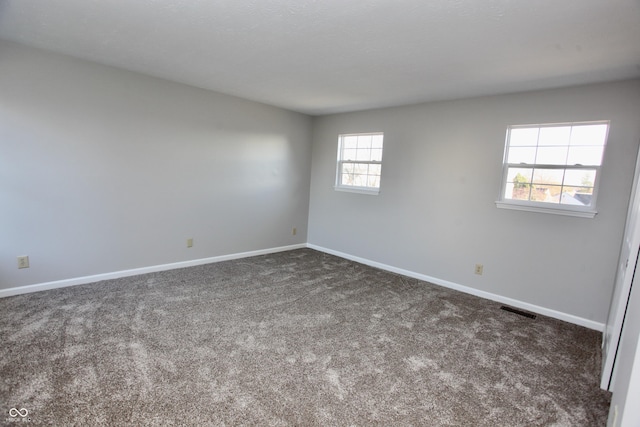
(359,162)
(553,168)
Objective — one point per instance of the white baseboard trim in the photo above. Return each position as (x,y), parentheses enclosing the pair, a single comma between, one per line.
(445,283)
(136,271)
(468,290)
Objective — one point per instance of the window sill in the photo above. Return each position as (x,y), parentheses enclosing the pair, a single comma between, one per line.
(544,209)
(360,190)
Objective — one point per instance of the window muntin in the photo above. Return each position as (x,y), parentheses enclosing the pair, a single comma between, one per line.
(359,162)
(554,166)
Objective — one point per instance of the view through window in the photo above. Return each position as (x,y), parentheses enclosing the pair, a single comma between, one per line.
(554,165)
(359,162)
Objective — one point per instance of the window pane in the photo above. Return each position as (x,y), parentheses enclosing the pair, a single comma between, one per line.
(349,154)
(519,184)
(548,155)
(350,142)
(576,196)
(546,193)
(522,155)
(348,168)
(360,168)
(517,191)
(364,141)
(375,169)
(363,154)
(589,134)
(354,160)
(521,175)
(376,141)
(521,137)
(509,193)
(552,155)
(376,154)
(576,191)
(585,155)
(585,178)
(359,180)
(548,176)
(557,135)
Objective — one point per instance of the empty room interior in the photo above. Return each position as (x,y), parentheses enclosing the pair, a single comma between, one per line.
(320,212)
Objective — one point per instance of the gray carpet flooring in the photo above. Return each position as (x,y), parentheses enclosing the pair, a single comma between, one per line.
(294,338)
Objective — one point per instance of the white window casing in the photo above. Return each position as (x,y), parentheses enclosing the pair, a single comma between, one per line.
(553,168)
(359,164)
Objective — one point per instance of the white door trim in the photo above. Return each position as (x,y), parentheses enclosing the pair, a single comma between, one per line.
(622,286)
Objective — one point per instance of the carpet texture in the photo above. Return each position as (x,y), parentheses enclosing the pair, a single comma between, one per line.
(294,338)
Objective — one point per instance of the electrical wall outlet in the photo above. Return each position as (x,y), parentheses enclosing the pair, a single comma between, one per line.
(190,242)
(23,261)
(294,231)
(479,269)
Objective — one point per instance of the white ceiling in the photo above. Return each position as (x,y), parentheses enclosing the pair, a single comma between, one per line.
(327,56)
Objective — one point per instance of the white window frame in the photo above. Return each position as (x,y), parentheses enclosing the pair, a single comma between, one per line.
(339,186)
(545,207)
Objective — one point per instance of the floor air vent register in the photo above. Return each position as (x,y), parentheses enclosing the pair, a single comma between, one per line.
(519,312)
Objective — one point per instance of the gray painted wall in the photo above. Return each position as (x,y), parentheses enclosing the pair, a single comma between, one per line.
(103,170)
(436,213)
